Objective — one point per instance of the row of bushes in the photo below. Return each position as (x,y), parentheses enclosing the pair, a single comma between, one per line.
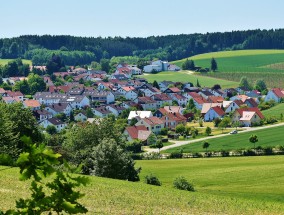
(179,183)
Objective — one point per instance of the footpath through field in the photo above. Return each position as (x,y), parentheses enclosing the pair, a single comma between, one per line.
(181,143)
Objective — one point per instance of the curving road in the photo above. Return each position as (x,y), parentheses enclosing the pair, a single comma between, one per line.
(181,143)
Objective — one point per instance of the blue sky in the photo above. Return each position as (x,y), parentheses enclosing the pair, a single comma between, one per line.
(136,18)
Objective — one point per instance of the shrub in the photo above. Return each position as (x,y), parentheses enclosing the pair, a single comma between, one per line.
(6,160)
(249,153)
(268,150)
(176,155)
(182,184)
(153,180)
(225,153)
(164,131)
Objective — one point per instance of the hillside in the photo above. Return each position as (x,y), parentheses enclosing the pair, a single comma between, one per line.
(5,61)
(266,137)
(255,64)
(275,111)
(226,188)
(184,76)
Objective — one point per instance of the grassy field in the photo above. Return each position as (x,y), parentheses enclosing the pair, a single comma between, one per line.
(255,64)
(5,61)
(266,137)
(274,111)
(223,186)
(184,76)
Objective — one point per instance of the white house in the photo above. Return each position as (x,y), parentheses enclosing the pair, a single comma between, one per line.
(55,109)
(57,123)
(76,102)
(213,113)
(115,109)
(275,94)
(101,112)
(128,92)
(139,115)
(153,124)
(81,117)
(234,105)
(156,66)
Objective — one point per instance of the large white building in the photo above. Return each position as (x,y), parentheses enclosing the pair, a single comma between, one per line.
(157,66)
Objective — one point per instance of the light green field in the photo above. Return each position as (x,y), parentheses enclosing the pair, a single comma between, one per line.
(254,64)
(241,60)
(266,137)
(5,61)
(184,76)
(274,111)
(245,185)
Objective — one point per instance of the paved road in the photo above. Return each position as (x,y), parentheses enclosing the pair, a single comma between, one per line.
(181,143)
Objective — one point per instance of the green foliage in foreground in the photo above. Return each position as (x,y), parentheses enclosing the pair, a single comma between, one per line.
(37,163)
(223,186)
(267,137)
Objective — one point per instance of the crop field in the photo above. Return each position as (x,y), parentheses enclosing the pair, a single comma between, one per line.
(275,111)
(5,61)
(184,76)
(266,137)
(244,185)
(254,64)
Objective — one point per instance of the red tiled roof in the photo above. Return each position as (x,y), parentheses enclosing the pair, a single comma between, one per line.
(218,110)
(32,103)
(2,91)
(153,120)
(194,94)
(127,89)
(239,102)
(53,89)
(278,92)
(161,97)
(14,94)
(200,100)
(133,130)
(175,89)
(216,99)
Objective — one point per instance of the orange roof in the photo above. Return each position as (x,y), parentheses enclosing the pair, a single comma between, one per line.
(153,120)
(175,89)
(127,89)
(133,130)
(32,103)
(218,110)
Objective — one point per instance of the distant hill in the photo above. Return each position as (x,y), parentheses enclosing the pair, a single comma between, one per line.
(255,64)
(171,47)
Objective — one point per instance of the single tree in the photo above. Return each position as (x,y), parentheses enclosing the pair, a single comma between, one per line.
(152,139)
(208,131)
(180,129)
(253,139)
(260,85)
(159,145)
(245,83)
(197,84)
(214,65)
(205,145)
(155,84)
(51,129)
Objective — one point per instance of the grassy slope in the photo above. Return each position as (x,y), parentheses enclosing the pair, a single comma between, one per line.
(240,61)
(184,76)
(274,111)
(257,178)
(266,137)
(5,61)
(224,185)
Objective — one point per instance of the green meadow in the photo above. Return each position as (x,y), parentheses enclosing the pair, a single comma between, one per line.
(184,76)
(266,137)
(254,64)
(236,185)
(275,111)
(5,61)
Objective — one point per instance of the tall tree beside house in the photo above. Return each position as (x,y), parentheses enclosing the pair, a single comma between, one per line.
(188,65)
(208,131)
(197,84)
(155,84)
(111,161)
(55,64)
(260,85)
(244,83)
(105,65)
(214,65)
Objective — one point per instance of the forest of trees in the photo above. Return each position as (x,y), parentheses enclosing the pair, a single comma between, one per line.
(82,50)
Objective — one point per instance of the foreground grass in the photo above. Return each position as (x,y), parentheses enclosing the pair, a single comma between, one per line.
(224,186)
(184,76)
(5,61)
(266,137)
(247,178)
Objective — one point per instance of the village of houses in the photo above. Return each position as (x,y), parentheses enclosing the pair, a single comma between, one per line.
(155,108)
